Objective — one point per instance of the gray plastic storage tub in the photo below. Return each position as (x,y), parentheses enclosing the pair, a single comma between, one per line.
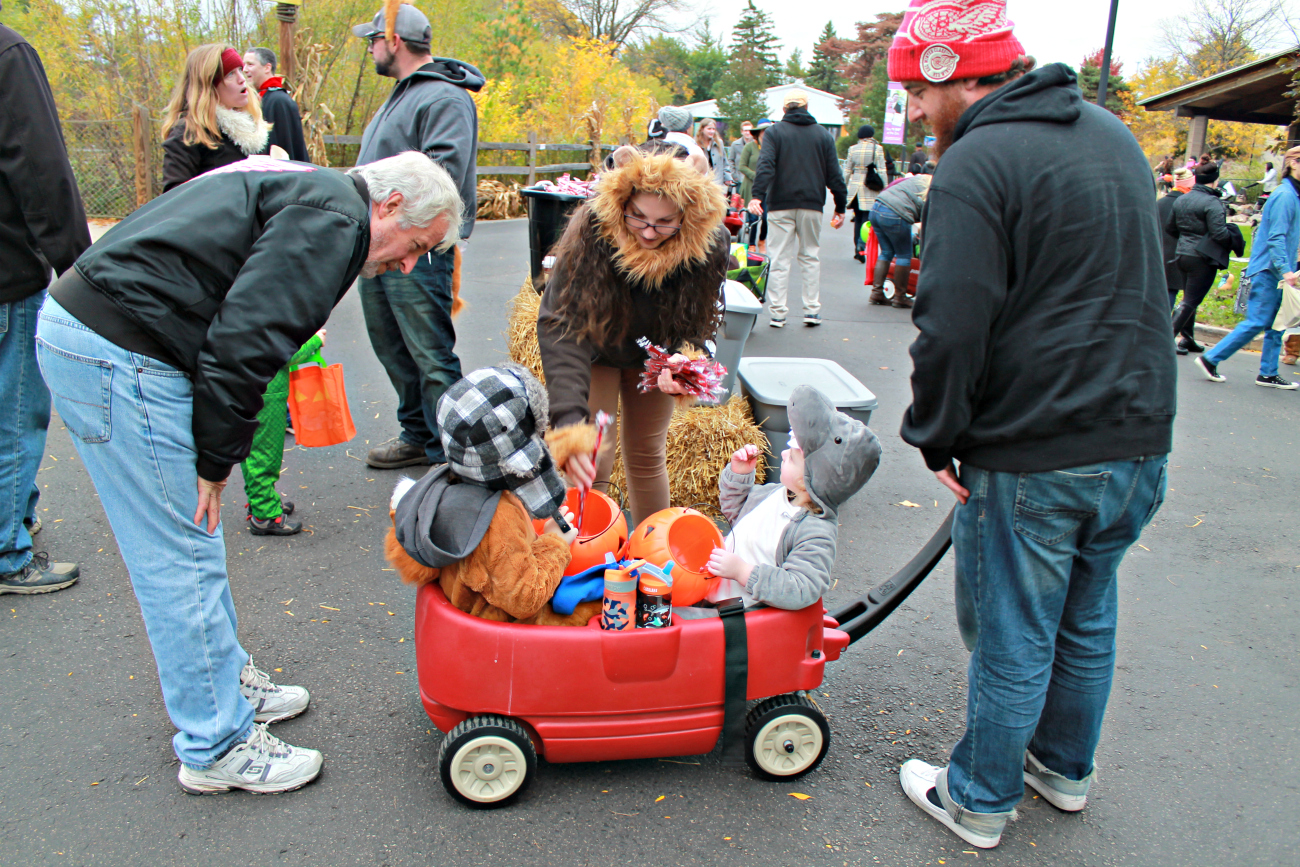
(768,382)
(741,312)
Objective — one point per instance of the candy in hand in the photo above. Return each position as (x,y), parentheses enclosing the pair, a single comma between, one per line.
(700,377)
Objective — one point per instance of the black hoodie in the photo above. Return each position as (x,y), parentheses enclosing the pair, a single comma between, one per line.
(797,164)
(1044,318)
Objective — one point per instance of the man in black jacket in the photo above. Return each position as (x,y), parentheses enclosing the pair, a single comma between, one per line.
(278,108)
(42,225)
(1045,365)
(158,345)
(796,166)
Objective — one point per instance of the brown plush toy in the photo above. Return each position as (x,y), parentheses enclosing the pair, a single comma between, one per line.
(479,543)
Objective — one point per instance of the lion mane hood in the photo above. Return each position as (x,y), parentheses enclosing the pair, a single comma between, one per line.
(698,197)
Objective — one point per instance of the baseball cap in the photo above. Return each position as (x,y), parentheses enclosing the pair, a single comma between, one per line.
(412,25)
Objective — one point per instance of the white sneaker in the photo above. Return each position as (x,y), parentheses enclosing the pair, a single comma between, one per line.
(1061,793)
(917,778)
(262,764)
(271,703)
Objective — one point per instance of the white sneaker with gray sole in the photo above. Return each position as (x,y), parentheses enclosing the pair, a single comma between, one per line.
(1063,794)
(271,702)
(918,778)
(262,764)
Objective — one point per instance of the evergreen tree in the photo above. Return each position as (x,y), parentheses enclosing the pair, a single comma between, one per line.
(752,41)
(706,63)
(1116,86)
(822,72)
(742,92)
(794,70)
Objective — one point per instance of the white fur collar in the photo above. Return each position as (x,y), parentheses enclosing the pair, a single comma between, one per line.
(251,135)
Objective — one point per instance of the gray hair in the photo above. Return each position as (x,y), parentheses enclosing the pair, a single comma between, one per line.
(265,55)
(428,192)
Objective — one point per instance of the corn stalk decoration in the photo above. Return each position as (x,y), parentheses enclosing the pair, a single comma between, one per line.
(317,118)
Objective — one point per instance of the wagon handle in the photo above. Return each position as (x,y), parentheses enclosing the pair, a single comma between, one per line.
(867,612)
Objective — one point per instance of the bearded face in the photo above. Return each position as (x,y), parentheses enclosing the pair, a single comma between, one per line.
(943,118)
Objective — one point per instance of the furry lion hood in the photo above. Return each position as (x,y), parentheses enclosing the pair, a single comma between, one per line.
(699,199)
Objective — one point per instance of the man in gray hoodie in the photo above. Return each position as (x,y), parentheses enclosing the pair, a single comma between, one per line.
(408,315)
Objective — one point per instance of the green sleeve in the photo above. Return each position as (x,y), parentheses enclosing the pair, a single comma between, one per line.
(310,348)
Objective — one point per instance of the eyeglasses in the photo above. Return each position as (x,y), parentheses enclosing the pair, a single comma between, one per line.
(373,38)
(637,225)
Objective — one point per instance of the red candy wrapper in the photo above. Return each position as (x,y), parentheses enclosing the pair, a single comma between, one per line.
(700,377)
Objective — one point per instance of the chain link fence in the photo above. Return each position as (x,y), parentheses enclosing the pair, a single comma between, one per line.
(103,160)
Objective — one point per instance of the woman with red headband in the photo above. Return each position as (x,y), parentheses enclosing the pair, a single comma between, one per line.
(214,117)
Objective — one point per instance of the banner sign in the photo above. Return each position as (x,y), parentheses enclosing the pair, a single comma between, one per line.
(895,114)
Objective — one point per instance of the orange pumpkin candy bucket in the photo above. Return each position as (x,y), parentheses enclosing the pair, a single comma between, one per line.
(603,530)
(687,538)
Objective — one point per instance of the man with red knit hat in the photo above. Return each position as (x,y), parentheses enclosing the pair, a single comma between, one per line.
(1045,367)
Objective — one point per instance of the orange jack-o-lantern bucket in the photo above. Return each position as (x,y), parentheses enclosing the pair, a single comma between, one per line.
(685,537)
(603,530)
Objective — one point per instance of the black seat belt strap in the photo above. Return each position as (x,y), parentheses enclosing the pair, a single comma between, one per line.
(736,641)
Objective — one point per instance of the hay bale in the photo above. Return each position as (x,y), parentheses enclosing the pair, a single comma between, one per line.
(521,329)
(701,439)
(499,201)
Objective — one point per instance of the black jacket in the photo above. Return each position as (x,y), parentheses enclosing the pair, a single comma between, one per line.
(280,110)
(1196,215)
(225,278)
(797,164)
(1044,320)
(183,161)
(42,221)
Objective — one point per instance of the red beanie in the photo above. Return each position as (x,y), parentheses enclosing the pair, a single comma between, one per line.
(230,60)
(941,40)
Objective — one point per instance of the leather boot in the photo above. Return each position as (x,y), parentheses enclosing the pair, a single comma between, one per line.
(878,283)
(901,274)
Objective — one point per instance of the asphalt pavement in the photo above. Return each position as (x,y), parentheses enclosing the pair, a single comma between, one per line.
(1197,763)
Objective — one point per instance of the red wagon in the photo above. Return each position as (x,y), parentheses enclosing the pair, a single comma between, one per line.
(506,693)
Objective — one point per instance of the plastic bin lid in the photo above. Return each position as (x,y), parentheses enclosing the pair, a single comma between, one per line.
(551,195)
(739,299)
(771,380)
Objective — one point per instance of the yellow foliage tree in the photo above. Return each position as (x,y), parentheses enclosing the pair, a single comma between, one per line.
(583,76)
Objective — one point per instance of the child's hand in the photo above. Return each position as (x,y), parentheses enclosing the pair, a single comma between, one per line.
(321,335)
(551,527)
(745,460)
(724,564)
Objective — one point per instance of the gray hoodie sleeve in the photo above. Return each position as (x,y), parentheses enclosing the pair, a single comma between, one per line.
(446,131)
(804,575)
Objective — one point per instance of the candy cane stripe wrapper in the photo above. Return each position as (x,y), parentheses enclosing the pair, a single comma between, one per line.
(700,377)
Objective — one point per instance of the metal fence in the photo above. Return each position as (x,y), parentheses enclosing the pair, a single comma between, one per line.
(104,163)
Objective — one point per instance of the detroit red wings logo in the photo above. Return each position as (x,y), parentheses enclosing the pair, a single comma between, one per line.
(957,21)
(938,63)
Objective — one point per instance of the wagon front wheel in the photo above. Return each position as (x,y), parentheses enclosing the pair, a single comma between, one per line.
(486,761)
(786,737)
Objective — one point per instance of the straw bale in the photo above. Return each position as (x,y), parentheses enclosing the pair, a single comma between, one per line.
(701,439)
(499,201)
(521,329)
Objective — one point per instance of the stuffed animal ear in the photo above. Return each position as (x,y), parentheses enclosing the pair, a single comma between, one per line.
(699,162)
(624,155)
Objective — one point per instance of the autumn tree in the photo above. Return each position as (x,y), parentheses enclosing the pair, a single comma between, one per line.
(1216,35)
(611,21)
(667,60)
(823,72)
(859,60)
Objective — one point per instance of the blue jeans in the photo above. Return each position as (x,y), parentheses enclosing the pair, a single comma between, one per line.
(1261,309)
(893,234)
(1036,560)
(130,417)
(22,429)
(408,317)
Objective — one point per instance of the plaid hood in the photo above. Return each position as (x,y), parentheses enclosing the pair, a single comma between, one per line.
(492,424)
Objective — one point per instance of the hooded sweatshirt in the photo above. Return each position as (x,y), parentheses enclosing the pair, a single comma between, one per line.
(431,110)
(797,164)
(1044,321)
(840,456)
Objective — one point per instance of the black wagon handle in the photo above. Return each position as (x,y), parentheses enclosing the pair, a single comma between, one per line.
(864,614)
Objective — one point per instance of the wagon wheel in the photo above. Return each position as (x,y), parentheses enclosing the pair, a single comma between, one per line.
(486,761)
(786,737)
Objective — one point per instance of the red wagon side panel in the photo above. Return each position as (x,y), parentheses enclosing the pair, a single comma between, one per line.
(592,695)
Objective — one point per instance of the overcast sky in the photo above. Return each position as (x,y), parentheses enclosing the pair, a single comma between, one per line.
(1050,31)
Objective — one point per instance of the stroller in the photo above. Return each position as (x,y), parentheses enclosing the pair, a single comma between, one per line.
(753,270)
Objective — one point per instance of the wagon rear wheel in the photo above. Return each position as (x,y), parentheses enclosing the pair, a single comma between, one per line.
(486,761)
(786,737)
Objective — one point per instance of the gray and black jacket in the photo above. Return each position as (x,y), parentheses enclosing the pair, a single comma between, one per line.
(1196,214)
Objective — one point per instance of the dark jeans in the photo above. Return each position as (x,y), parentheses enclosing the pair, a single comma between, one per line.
(893,235)
(1175,281)
(1037,604)
(408,317)
(859,218)
(761,232)
(1199,274)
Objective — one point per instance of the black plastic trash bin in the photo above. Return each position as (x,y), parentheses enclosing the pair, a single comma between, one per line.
(548,214)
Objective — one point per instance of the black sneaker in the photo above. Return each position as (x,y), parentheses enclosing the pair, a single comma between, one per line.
(1276,382)
(273,526)
(1189,346)
(40,576)
(1211,371)
(1179,349)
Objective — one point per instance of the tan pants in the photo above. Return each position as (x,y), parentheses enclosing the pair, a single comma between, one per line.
(643,431)
(791,234)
